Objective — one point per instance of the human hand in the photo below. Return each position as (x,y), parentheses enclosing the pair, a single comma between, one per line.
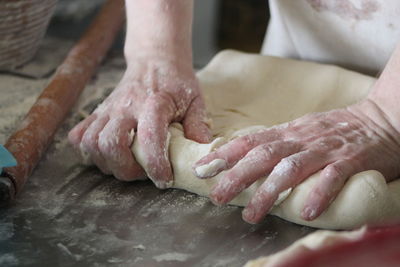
(152,93)
(341,143)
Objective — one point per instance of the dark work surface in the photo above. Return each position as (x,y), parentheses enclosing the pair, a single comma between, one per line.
(72,215)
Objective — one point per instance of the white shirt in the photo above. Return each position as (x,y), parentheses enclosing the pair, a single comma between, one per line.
(357,34)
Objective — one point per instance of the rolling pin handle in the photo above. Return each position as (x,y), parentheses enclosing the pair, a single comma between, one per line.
(7,191)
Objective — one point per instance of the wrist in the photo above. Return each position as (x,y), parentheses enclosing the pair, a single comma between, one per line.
(159,29)
(386,91)
(388,104)
(154,64)
(158,57)
(376,118)
(155,51)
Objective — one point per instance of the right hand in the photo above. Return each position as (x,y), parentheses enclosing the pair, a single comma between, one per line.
(339,142)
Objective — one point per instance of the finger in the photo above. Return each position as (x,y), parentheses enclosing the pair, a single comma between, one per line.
(76,134)
(287,173)
(153,138)
(195,122)
(256,164)
(229,154)
(89,144)
(331,181)
(115,142)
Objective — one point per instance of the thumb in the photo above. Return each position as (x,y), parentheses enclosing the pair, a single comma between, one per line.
(196,122)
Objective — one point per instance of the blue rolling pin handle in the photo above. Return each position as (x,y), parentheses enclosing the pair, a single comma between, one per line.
(6,159)
(7,187)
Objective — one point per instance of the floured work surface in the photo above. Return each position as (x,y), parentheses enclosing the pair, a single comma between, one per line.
(243,91)
(71,215)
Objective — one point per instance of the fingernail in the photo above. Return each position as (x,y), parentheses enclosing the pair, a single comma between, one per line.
(210,169)
(216,199)
(169,184)
(163,184)
(309,213)
(203,160)
(248,214)
(199,162)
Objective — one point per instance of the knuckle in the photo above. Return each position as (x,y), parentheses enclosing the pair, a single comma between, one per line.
(73,137)
(323,124)
(106,145)
(329,143)
(89,143)
(294,165)
(333,171)
(160,101)
(288,167)
(265,150)
(247,141)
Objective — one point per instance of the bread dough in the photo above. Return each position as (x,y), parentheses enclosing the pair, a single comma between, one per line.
(314,241)
(246,90)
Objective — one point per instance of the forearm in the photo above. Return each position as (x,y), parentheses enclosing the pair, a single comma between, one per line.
(159,28)
(386,91)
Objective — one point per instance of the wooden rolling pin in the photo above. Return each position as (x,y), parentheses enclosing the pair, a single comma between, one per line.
(29,142)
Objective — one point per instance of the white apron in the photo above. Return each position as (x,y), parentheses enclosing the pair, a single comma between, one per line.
(356,34)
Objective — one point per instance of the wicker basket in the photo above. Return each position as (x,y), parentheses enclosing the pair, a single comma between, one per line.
(23,24)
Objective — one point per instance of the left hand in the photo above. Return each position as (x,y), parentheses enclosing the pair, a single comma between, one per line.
(152,93)
(340,142)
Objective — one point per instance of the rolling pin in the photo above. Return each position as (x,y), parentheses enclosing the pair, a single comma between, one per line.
(31,139)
